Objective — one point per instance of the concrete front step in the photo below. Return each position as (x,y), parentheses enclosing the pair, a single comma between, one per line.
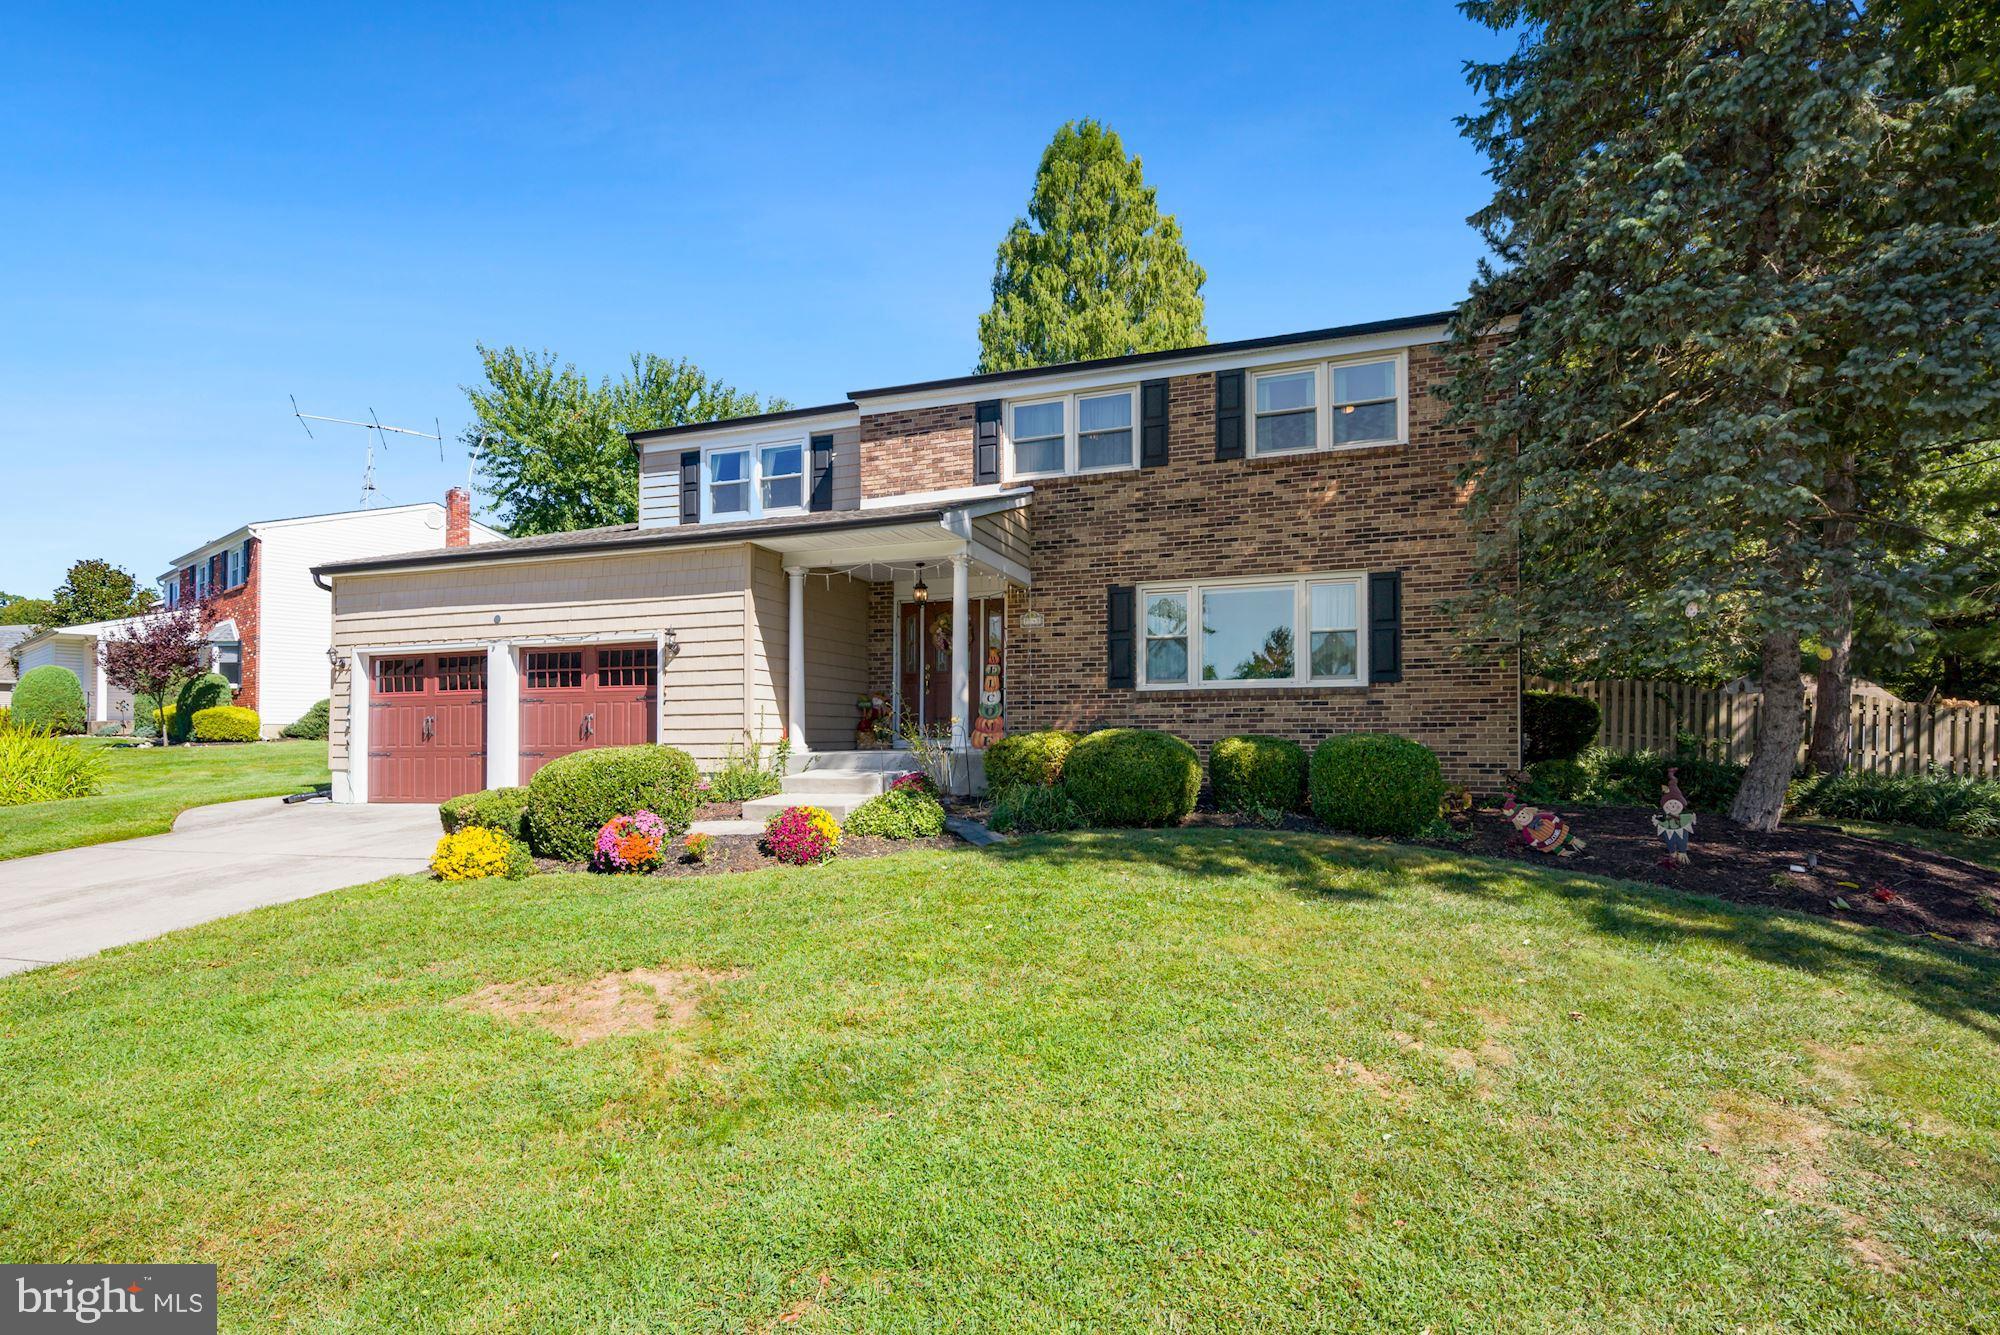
(838,783)
(839,807)
(884,762)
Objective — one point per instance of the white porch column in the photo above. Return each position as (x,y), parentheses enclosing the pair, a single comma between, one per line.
(961,640)
(503,716)
(795,682)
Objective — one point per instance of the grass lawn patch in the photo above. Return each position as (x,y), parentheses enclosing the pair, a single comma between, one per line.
(1162,1080)
(146,787)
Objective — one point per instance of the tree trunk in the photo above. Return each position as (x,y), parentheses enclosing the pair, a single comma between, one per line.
(1761,800)
(1835,679)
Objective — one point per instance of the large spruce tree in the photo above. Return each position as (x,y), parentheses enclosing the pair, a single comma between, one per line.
(1753,259)
(1095,269)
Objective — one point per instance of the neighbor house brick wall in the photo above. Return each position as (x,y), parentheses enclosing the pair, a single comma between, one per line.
(924,449)
(240,605)
(1383,508)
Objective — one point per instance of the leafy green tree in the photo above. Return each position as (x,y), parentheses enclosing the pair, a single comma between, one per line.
(96,590)
(1752,252)
(1095,269)
(17,609)
(551,447)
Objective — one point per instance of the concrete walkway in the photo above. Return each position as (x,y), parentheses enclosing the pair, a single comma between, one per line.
(218,860)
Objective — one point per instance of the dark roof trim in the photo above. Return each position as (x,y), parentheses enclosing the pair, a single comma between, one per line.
(1176,354)
(689,428)
(633,539)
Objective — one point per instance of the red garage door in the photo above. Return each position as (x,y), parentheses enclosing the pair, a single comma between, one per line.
(427,727)
(574,699)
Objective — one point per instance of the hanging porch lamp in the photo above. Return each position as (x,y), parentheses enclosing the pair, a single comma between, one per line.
(922,592)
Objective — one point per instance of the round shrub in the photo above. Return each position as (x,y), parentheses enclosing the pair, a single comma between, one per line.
(802,835)
(1251,773)
(226,723)
(571,797)
(900,813)
(1032,758)
(196,694)
(49,698)
(502,809)
(633,843)
(311,726)
(1556,726)
(1132,776)
(475,854)
(1376,783)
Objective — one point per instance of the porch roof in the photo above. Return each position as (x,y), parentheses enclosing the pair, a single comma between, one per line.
(839,537)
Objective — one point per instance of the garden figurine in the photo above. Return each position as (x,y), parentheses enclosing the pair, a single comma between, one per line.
(1542,830)
(1675,823)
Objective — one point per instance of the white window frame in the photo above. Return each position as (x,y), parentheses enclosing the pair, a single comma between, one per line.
(170,592)
(1071,466)
(1302,678)
(201,568)
(1323,404)
(232,567)
(754,476)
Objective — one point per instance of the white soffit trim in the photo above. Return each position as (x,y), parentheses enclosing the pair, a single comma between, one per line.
(749,433)
(1042,386)
(984,491)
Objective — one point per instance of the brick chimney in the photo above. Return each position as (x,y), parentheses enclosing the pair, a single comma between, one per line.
(457,517)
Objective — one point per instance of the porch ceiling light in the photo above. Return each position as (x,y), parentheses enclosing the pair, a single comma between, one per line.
(921,593)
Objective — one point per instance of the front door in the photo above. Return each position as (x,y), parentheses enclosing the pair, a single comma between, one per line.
(924,634)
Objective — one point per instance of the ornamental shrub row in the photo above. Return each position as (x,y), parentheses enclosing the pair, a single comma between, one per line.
(572,797)
(502,809)
(226,723)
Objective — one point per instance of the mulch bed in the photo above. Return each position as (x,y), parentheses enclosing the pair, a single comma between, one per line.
(719,811)
(1843,876)
(741,852)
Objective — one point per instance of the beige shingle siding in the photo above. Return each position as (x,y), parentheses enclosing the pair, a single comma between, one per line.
(697,594)
(767,635)
(836,658)
(1006,533)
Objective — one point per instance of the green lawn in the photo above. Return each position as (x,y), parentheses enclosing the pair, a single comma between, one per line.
(1171,1081)
(144,789)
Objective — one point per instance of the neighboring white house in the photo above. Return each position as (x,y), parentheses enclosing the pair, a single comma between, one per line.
(271,623)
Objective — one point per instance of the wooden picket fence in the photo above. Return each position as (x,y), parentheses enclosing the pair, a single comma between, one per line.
(1889,736)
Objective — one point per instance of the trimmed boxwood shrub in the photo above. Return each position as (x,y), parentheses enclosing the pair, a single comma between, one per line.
(900,813)
(226,723)
(1025,810)
(502,809)
(571,797)
(311,726)
(1031,758)
(196,694)
(49,698)
(1132,776)
(1251,773)
(1376,783)
(1555,726)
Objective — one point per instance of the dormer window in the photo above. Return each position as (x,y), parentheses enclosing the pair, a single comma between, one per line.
(752,481)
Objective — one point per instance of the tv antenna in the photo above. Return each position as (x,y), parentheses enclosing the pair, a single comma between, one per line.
(377,433)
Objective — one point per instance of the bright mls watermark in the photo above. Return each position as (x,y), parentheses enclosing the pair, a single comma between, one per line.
(157,1299)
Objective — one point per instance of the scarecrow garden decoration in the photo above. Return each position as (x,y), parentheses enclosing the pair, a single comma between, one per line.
(1675,823)
(1542,830)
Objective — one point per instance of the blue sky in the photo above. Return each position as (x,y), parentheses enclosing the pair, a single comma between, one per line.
(209,208)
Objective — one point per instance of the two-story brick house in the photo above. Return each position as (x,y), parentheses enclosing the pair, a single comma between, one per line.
(1253,536)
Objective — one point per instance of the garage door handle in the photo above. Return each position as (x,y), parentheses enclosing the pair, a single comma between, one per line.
(590,724)
(430,726)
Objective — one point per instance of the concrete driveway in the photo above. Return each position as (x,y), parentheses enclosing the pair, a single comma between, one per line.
(217,861)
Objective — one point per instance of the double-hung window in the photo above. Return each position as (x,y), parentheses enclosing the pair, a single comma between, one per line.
(1288,631)
(1086,432)
(1362,398)
(170,591)
(751,481)
(235,567)
(201,580)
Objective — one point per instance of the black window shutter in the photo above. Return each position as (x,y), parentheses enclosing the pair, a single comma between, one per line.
(1385,625)
(986,441)
(246,560)
(1229,414)
(1153,424)
(691,486)
(1119,600)
(822,473)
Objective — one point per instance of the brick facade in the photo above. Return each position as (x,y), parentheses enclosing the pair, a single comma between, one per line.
(926,449)
(1384,508)
(239,605)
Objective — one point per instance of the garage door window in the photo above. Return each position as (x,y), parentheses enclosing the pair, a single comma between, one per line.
(462,672)
(555,669)
(625,667)
(399,676)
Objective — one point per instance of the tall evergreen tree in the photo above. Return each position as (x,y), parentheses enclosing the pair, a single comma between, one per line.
(1095,269)
(1753,263)
(551,447)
